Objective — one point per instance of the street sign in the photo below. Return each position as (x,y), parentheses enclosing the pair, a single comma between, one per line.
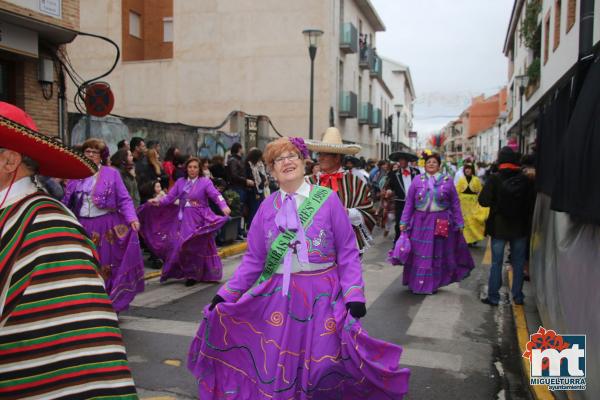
(99,99)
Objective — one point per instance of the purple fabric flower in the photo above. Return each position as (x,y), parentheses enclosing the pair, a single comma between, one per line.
(298,142)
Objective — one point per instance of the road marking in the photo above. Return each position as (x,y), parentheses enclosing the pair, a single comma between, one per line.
(159,294)
(438,314)
(487,256)
(162,326)
(413,357)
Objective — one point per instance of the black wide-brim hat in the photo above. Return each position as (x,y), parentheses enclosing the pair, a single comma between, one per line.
(19,133)
(398,155)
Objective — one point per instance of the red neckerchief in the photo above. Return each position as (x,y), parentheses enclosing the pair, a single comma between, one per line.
(509,166)
(405,172)
(330,180)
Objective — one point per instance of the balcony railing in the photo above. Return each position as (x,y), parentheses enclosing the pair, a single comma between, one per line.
(376,67)
(366,56)
(375,121)
(365,113)
(348,38)
(348,105)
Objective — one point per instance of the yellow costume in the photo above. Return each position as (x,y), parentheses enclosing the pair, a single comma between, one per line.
(473,214)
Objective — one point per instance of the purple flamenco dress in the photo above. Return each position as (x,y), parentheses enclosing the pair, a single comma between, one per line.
(105,209)
(438,254)
(182,234)
(289,336)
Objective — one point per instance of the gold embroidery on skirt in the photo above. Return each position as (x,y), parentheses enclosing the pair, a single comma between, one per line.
(95,238)
(105,272)
(121,230)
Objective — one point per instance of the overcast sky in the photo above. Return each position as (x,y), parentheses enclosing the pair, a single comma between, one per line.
(453,49)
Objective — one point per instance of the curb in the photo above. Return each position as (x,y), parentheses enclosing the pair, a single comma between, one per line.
(538,392)
(223,252)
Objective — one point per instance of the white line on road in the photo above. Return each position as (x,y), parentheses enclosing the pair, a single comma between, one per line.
(438,315)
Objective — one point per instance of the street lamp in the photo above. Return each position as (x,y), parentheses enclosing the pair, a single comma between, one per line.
(398,108)
(521,82)
(312,40)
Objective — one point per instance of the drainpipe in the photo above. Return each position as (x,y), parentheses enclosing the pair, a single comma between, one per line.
(61,107)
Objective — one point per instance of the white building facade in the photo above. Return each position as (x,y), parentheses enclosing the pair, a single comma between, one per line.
(250,56)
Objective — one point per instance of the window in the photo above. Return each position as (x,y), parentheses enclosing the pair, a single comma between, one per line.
(168,29)
(135,24)
(546,36)
(571,14)
(557,15)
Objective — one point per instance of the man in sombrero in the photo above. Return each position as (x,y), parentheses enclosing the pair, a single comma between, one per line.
(354,193)
(59,336)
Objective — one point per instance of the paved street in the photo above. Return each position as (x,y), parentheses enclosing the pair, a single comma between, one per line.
(456,347)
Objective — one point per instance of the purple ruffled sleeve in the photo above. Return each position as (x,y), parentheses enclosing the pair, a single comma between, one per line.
(409,205)
(252,263)
(215,195)
(457,217)
(124,202)
(348,257)
(173,193)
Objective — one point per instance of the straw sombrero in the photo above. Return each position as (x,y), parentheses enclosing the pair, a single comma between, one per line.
(332,143)
(19,133)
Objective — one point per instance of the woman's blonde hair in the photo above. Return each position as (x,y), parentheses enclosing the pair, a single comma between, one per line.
(277,147)
(153,160)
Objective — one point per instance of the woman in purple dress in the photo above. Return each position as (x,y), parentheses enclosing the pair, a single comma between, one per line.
(433,221)
(105,209)
(286,324)
(182,230)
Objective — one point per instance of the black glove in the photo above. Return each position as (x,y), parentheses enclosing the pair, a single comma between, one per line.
(216,300)
(357,309)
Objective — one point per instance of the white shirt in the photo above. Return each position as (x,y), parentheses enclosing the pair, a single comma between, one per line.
(406,180)
(21,188)
(301,194)
(187,203)
(88,208)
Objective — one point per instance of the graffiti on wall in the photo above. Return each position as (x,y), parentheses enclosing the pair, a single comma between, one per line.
(212,143)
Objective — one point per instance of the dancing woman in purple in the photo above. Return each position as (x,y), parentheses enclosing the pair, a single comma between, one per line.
(433,220)
(105,209)
(286,324)
(181,231)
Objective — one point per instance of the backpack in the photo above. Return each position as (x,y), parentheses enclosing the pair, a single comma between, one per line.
(513,195)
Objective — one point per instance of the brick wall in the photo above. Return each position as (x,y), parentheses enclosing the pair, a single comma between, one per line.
(70,13)
(29,96)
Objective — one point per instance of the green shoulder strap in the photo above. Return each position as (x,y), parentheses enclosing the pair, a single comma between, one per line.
(279,247)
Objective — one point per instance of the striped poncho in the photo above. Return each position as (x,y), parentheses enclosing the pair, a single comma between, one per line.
(355,193)
(59,336)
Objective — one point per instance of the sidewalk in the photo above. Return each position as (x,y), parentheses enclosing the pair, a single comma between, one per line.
(224,252)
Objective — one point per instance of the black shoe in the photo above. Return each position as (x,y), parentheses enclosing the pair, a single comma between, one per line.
(190,282)
(155,263)
(487,301)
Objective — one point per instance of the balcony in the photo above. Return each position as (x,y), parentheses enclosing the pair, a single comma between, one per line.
(365,113)
(348,105)
(375,121)
(348,38)
(366,56)
(376,67)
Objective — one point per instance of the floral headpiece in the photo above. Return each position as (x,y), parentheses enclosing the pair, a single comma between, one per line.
(298,142)
(426,153)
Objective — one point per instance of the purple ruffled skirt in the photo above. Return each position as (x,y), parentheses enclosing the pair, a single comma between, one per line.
(435,261)
(302,346)
(187,247)
(121,262)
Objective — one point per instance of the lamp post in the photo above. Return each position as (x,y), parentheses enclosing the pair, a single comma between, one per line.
(521,81)
(398,108)
(312,40)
